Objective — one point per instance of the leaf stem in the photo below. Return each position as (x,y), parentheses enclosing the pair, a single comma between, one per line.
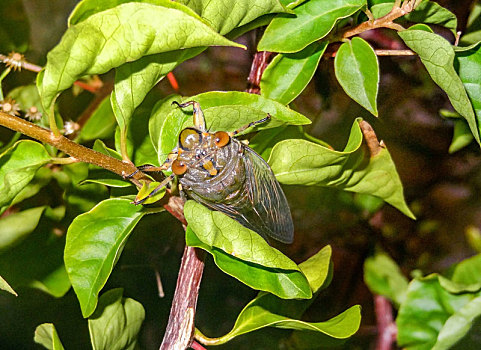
(2,76)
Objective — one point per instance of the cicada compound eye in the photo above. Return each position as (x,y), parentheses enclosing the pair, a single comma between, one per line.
(179,167)
(190,138)
(221,138)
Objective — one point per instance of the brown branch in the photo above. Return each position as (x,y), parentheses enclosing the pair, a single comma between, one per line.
(387,330)
(386,21)
(75,150)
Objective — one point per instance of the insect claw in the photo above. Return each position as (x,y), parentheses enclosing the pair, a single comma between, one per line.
(176,103)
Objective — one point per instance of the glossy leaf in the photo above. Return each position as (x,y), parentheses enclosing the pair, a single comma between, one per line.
(102,176)
(94,243)
(437,56)
(225,15)
(426,12)
(237,250)
(134,80)
(266,310)
(225,111)
(40,260)
(318,269)
(17,226)
(283,283)
(425,311)
(122,34)
(160,112)
(263,312)
(300,162)
(462,135)
(18,166)
(101,123)
(463,277)
(288,74)
(46,335)
(313,20)
(468,66)
(458,325)
(147,189)
(472,33)
(383,277)
(5,286)
(357,70)
(116,322)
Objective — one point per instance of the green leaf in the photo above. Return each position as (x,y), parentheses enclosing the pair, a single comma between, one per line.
(288,74)
(139,144)
(147,189)
(426,12)
(462,136)
(46,335)
(101,123)
(313,20)
(18,166)
(305,163)
(464,277)
(458,325)
(102,176)
(133,80)
(122,34)
(357,70)
(40,260)
(216,232)
(283,283)
(17,226)
(425,311)
(116,322)
(5,286)
(437,56)
(267,310)
(472,34)
(318,269)
(225,111)
(225,15)
(468,66)
(383,277)
(94,243)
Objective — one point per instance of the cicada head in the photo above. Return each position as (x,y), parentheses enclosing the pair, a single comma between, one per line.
(200,151)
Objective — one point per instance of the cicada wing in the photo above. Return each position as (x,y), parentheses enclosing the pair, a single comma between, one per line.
(269,211)
(262,205)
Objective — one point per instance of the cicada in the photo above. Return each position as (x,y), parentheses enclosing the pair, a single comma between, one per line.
(222,173)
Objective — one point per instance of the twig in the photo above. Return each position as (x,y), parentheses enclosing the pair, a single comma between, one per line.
(387,330)
(75,150)
(386,21)
(34,68)
(383,52)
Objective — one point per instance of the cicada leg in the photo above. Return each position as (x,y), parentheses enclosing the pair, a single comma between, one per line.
(152,168)
(238,131)
(199,120)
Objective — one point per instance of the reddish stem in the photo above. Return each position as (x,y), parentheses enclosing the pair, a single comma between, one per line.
(197,346)
(386,327)
(180,328)
(259,64)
